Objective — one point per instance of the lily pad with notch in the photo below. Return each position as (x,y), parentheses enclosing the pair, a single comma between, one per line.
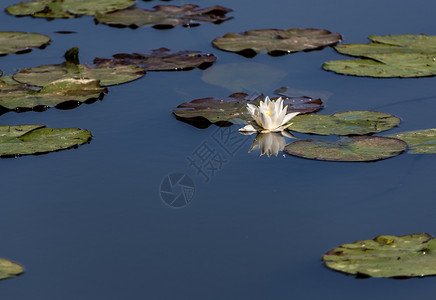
(9,269)
(348,149)
(21,42)
(62,93)
(108,74)
(276,41)
(162,60)
(386,256)
(164,16)
(344,123)
(37,139)
(419,141)
(216,110)
(66,8)
(388,56)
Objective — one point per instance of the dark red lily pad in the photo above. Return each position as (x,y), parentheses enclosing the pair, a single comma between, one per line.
(164,16)
(216,110)
(162,60)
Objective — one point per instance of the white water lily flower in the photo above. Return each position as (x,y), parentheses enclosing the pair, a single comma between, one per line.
(269,116)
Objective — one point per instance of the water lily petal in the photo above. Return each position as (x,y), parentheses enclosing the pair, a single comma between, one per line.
(266,121)
(281,116)
(248,128)
(279,105)
(288,117)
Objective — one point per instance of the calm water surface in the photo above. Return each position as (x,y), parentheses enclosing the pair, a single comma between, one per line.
(88,223)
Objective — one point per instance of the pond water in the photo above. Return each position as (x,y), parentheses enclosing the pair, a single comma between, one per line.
(89,223)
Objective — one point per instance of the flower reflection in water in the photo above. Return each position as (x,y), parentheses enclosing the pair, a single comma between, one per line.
(270,143)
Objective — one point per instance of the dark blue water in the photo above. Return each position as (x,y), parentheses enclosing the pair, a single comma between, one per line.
(89,223)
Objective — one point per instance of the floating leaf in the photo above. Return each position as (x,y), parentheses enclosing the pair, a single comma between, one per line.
(66,8)
(387,65)
(20,42)
(36,139)
(389,44)
(235,107)
(344,123)
(162,60)
(276,41)
(21,96)
(108,74)
(389,56)
(291,92)
(164,16)
(9,269)
(419,141)
(386,256)
(354,149)
(247,76)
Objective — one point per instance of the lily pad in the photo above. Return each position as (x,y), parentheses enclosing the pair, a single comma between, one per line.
(389,56)
(246,76)
(108,74)
(9,269)
(351,149)
(276,41)
(66,8)
(37,139)
(344,123)
(419,141)
(21,42)
(162,60)
(235,107)
(389,44)
(164,16)
(291,92)
(386,256)
(16,96)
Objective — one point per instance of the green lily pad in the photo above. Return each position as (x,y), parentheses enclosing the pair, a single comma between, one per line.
(419,141)
(162,60)
(389,44)
(37,139)
(388,56)
(164,16)
(344,123)
(9,269)
(16,96)
(351,149)
(246,76)
(20,42)
(66,8)
(235,107)
(108,74)
(386,256)
(276,41)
